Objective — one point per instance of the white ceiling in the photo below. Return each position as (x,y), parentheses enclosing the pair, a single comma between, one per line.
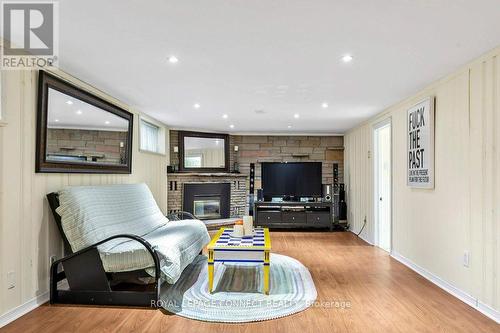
(282,56)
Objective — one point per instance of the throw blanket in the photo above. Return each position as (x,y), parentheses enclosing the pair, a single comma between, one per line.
(93,213)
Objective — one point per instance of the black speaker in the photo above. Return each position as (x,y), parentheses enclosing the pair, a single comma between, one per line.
(343,211)
(327,193)
(260,194)
(341,193)
(335,178)
(335,170)
(342,204)
(252,178)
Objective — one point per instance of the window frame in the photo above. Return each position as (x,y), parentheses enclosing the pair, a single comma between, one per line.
(161,137)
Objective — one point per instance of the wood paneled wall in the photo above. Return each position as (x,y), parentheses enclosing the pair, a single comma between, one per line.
(28,235)
(433,228)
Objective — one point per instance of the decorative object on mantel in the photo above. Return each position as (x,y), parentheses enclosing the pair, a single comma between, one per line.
(236,165)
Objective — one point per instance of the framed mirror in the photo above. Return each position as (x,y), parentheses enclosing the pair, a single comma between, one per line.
(203,152)
(78,132)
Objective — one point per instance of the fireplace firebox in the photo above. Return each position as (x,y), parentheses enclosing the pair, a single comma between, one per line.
(207,207)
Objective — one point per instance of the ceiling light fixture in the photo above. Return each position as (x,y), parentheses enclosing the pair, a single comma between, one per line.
(289,126)
(106,122)
(296,116)
(57,120)
(173,59)
(231,126)
(78,111)
(196,105)
(69,102)
(347,58)
(324,105)
(224,116)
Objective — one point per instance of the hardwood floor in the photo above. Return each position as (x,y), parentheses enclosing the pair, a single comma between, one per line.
(384,296)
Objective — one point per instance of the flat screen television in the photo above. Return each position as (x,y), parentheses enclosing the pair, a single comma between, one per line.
(293,179)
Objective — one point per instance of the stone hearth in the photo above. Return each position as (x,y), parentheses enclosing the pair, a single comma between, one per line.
(238,184)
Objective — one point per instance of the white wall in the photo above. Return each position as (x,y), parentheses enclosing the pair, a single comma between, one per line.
(28,234)
(433,228)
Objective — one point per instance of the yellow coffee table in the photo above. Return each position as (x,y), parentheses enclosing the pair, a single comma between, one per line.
(249,249)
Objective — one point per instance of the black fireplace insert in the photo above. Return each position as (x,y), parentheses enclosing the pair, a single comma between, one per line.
(207,201)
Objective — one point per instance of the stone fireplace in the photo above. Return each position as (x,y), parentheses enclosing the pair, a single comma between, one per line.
(208,195)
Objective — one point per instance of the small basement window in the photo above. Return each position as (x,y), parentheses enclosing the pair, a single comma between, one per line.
(152,137)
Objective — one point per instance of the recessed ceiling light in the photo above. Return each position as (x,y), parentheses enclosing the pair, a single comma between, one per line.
(296,116)
(324,105)
(224,116)
(347,58)
(78,111)
(231,126)
(56,120)
(106,122)
(196,105)
(173,59)
(289,126)
(69,102)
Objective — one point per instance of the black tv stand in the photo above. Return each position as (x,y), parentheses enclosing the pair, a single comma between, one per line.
(292,214)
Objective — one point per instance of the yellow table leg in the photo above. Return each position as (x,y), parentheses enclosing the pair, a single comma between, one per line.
(210,270)
(266,272)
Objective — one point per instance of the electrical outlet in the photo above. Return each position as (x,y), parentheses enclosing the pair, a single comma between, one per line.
(11,280)
(466,258)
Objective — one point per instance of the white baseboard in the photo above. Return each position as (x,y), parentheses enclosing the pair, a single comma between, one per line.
(23,309)
(362,237)
(446,286)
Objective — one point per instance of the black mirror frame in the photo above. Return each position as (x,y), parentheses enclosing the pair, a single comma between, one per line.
(46,81)
(225,137)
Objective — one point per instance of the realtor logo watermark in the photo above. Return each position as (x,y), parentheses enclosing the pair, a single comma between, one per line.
(30,30)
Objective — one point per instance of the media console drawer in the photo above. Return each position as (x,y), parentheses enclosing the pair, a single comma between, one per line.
(266,217)
(314,218)
(294,217)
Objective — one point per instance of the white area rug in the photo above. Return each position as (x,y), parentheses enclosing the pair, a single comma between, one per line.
(237,297)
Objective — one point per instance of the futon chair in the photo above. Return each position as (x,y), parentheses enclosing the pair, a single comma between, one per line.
(117,233)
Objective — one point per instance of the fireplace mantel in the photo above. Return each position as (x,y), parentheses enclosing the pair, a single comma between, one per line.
(207,174)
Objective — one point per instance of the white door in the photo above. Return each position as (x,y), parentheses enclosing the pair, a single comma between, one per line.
(382,143)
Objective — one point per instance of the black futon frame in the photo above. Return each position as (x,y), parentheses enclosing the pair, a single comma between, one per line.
(88,282)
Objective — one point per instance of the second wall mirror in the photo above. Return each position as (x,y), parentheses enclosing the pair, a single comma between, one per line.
(203,152)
